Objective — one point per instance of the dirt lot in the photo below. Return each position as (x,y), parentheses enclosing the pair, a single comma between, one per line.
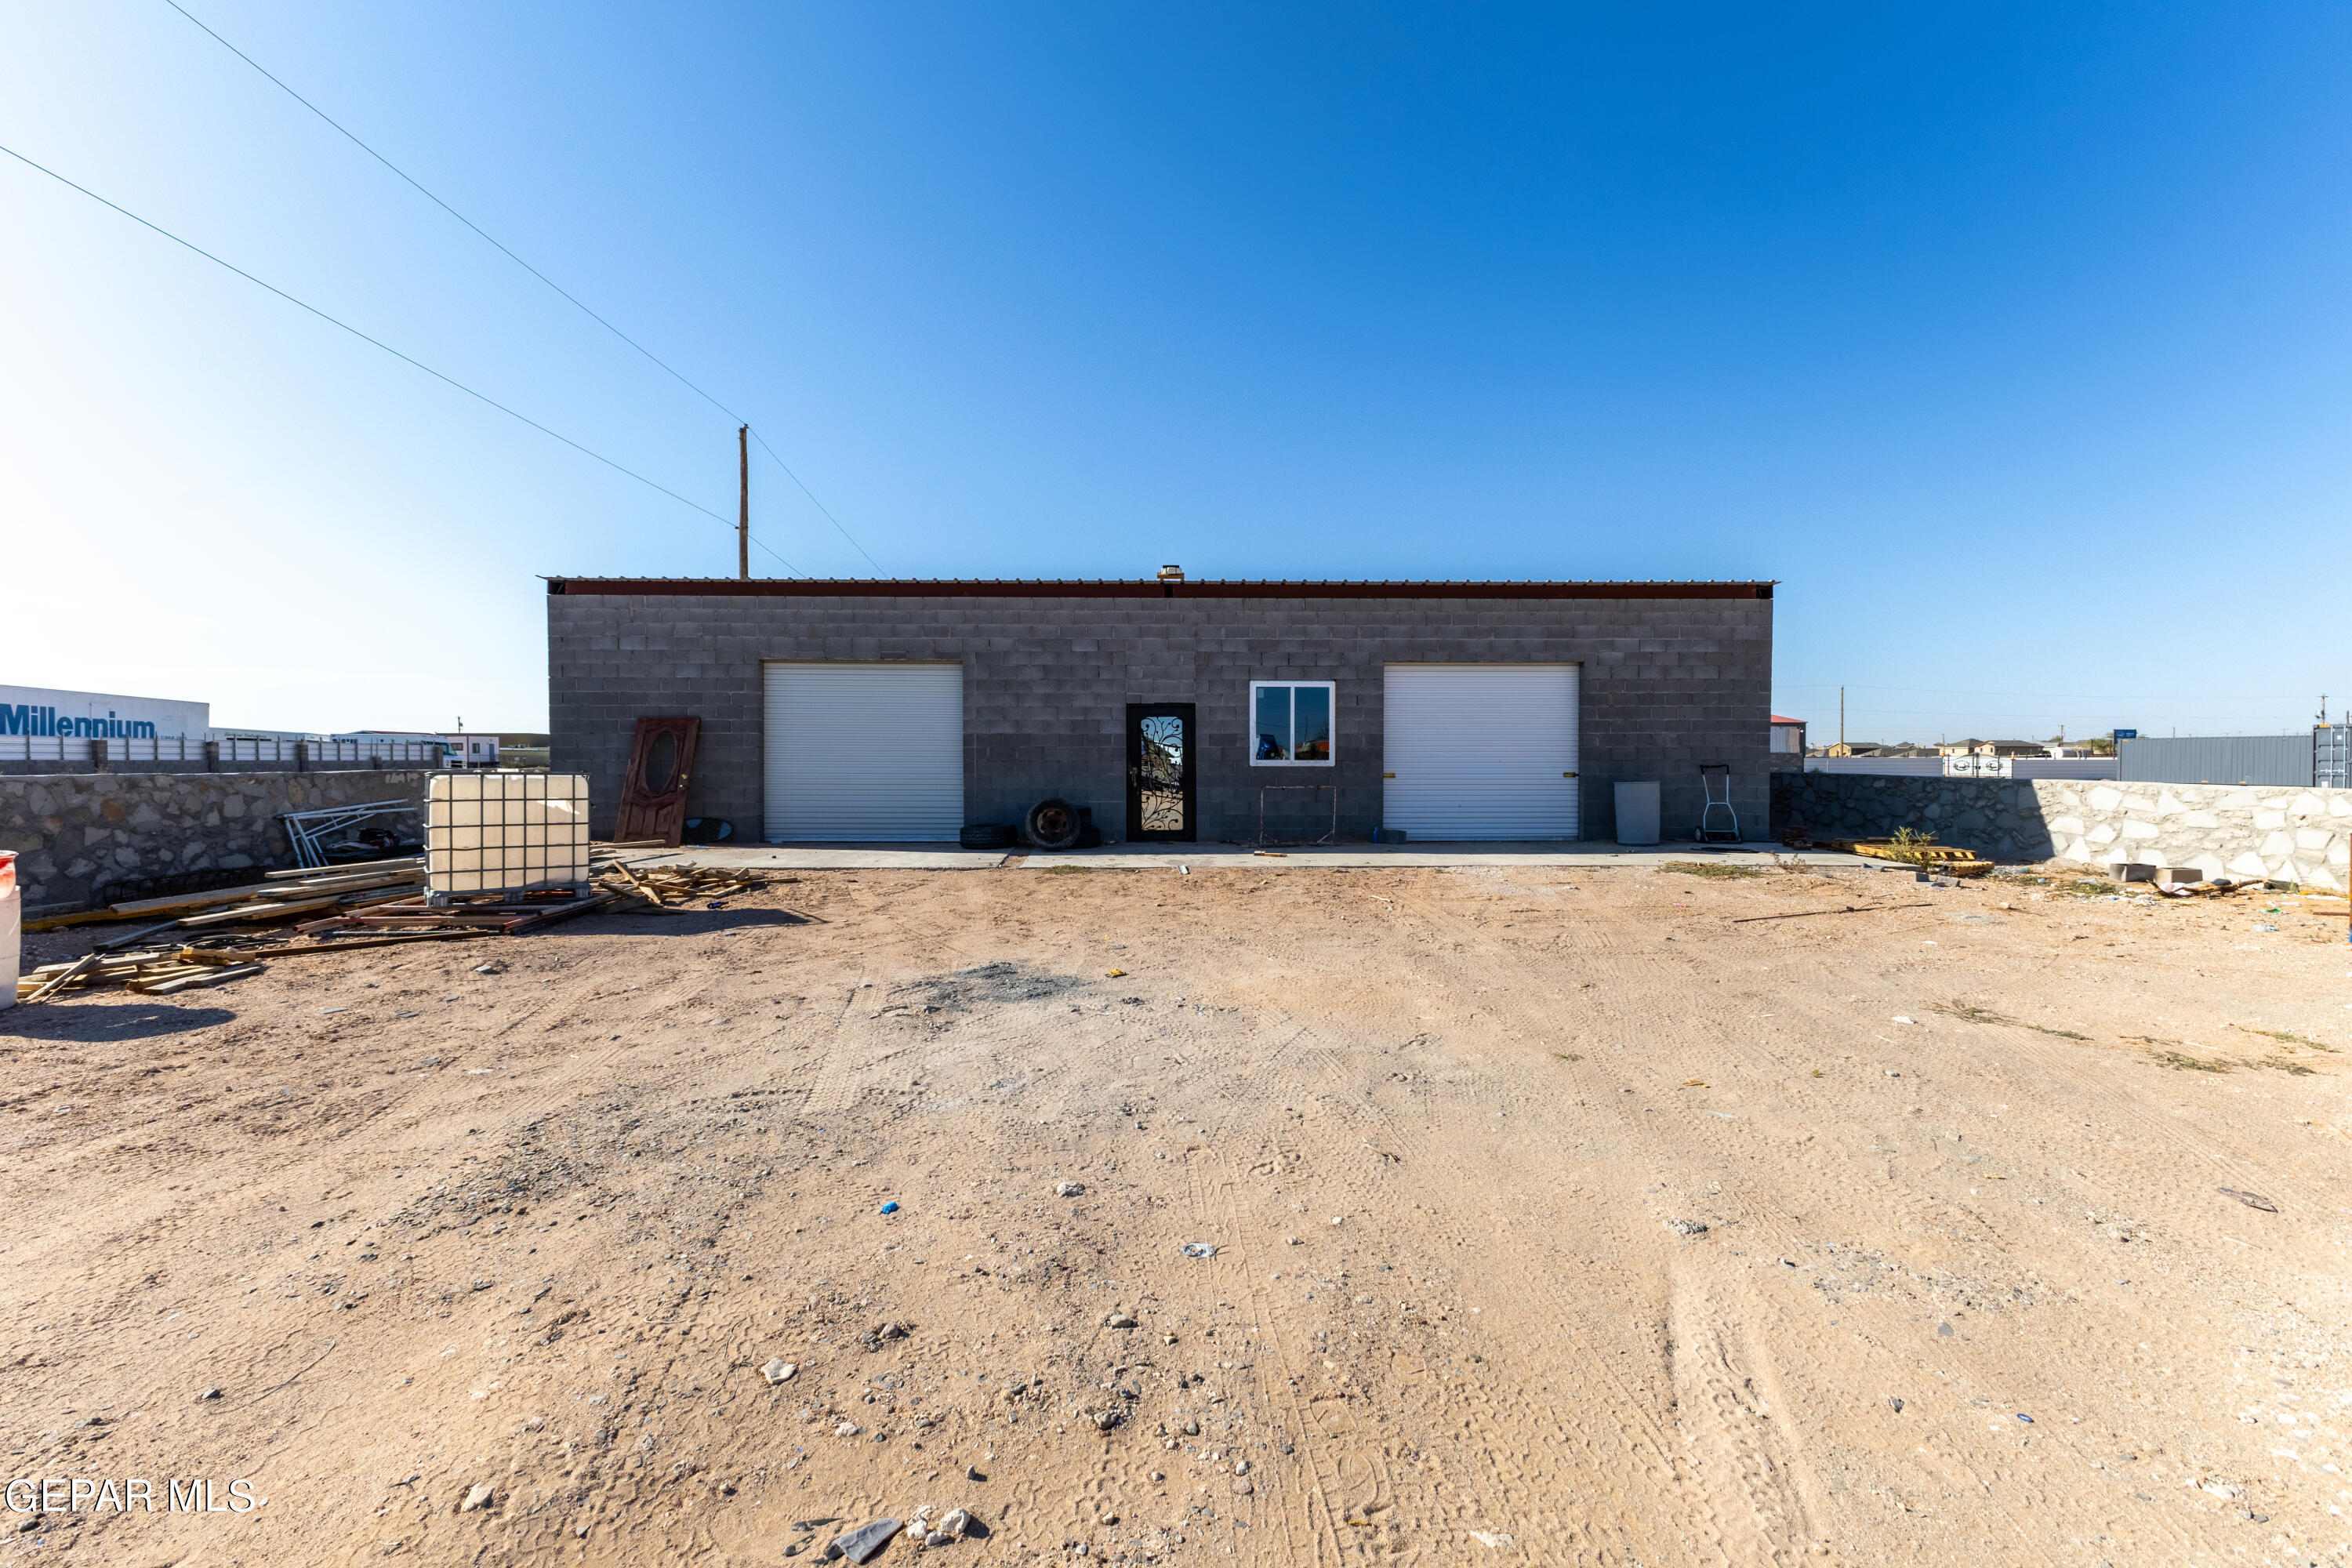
(1565,1216)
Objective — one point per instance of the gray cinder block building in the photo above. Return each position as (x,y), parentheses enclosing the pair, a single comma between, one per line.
(851,710)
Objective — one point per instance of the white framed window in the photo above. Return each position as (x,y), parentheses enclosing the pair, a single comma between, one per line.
(1290,724)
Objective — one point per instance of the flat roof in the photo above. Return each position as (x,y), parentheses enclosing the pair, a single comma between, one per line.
(1144,588)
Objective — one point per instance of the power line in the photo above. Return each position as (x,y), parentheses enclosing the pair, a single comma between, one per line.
(492,240)
(377,343)
(814,502)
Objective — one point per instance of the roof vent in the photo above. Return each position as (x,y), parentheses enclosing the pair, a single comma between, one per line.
(1172,574)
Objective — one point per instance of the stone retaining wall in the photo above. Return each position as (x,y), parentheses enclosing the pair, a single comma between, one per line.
(2281,832)
(2223,830)
(74,834)
(2001,819)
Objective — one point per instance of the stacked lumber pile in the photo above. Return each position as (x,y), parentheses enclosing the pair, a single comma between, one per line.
(509,914)
(373,905)
(279,894)
(670,890)
(158,973)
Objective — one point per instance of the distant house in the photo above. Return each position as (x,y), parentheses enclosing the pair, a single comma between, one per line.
(2010,749)
(1788,742)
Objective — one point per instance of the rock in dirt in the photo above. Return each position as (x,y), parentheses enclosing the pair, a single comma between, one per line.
(1686,1226)
(778,1371)
(958,1522)
(1243,1486)
(480,1497)
(846,1430)
(972,1473)
(1199,1249)
(1068,1189)
(208,1394)
(866,1542)
(1119,1321)
(2252,1200)
(938,1538)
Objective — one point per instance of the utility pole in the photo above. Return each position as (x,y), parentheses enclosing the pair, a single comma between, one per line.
(1842,752)
(744,506)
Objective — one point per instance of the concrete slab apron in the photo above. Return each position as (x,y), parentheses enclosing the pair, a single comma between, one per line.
(1575,855)
(1224,856)
(827,857)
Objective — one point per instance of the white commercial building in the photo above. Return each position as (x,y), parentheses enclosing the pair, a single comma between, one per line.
(97,715)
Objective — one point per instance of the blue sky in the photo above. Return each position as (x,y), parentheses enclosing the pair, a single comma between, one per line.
(2011,340)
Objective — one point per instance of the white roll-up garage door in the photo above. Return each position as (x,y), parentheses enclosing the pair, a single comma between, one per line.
(864,753)
(1481,751)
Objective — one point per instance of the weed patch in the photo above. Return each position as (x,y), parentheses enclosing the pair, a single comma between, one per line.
(2284,1038)
(1713,871)
(2166,1054)
(1969,1015)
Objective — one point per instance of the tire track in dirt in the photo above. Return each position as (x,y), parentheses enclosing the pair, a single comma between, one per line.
(1734,1524)
(1489,1406)
(1915,1211)
(1498,1488)
(1210,1189)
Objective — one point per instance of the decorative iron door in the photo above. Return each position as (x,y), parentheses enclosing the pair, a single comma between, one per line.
(1160,772)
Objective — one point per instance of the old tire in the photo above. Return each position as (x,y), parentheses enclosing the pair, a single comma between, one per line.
(1054,825)
(987,835)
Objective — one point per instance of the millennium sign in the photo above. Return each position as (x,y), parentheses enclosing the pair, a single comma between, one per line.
(29,719)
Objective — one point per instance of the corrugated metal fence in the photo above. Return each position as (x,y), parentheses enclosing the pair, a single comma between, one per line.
(2276,760)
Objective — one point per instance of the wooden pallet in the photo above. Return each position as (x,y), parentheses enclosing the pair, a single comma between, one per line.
(1950,859)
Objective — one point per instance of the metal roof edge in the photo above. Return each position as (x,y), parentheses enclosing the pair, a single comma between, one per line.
(1152,588)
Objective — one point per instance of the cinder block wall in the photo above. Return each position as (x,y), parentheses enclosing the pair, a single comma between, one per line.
(1666,684)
